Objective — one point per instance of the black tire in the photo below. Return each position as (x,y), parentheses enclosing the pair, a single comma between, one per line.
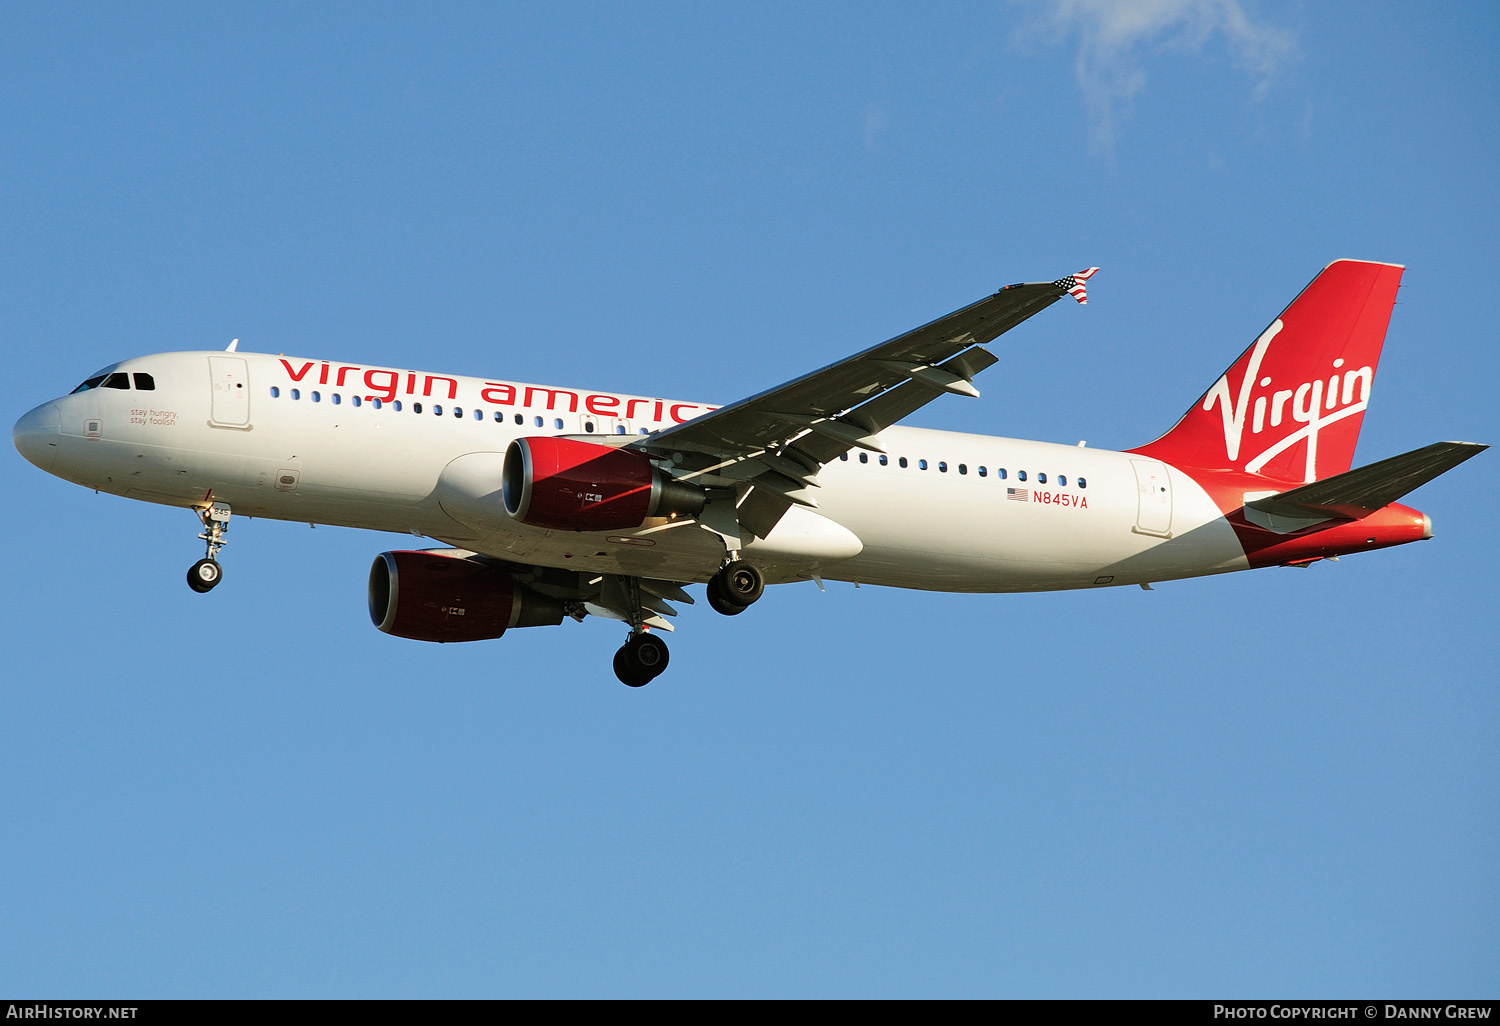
(648,652)
(719,601)
(630,674)
(204,575)
(738,584)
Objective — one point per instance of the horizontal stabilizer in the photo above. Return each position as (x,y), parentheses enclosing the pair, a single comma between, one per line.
(1358,493)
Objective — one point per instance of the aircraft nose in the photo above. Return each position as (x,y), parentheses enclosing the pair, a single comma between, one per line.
(36,435)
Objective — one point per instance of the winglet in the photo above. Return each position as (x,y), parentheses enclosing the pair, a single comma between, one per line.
(232,346)
(1073,284)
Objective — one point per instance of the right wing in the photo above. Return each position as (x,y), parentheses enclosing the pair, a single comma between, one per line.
(770,446)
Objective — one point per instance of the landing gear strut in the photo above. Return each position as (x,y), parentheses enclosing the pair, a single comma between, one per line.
(734,588)
(641,659)
(204,574)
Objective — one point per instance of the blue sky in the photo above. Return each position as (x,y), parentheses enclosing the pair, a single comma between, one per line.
(1268,784)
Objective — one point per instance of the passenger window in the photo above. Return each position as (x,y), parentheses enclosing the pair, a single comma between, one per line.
(1000,473)
(942,467)
(557,423)
(376,403)
(118,379)
(902,461)
(416,407)
(1041,479)
(317,397)
(275,392)
(884,459)
(963,469)
(1020,475)
(499,417)
(588,427)
(921,464)
(537,421)
(336,399)
(844,456)
(864,457)
(620,429)
(396,405)
(296,393)
(1082,483)
(1062,480)
(478,414)
(144,382)
(437,410)
(982,471)
(354,400)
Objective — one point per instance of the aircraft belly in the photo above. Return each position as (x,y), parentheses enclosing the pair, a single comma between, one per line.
(675,550)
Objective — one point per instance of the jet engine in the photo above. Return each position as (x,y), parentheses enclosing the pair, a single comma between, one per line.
(431,596)
(563,484)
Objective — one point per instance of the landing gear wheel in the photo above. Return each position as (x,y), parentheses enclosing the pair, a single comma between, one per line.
(648,652)
(204,574)
(629,675)
(736,587)
(641,660)
(719,601)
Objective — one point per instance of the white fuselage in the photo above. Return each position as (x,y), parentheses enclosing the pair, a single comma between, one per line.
(328,443)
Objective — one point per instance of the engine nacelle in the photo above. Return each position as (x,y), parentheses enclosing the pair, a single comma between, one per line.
(429,596)
(566,485)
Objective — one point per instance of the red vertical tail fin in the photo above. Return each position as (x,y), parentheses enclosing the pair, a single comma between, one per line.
(1291,406)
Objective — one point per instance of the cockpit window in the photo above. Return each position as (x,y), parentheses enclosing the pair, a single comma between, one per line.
(93,382)
(118,379)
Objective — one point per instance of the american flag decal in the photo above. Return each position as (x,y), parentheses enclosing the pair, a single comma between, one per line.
(1073,284)
(1018,494)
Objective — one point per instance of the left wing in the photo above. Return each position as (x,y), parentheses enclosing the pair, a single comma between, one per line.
(769,447)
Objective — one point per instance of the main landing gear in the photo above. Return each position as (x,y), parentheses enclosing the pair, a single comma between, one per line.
(730,591)
(203,575)
(735,587)
(644,656)
(641,659)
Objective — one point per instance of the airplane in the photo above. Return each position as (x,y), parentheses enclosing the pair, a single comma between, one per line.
(554,503)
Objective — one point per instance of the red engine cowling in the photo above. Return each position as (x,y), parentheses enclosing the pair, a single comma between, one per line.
(429,596)
(566,485)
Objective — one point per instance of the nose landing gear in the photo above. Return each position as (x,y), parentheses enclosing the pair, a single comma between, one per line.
(203,575)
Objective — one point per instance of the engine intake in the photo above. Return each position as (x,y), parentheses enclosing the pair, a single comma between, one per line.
(429,596)
(566,485)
